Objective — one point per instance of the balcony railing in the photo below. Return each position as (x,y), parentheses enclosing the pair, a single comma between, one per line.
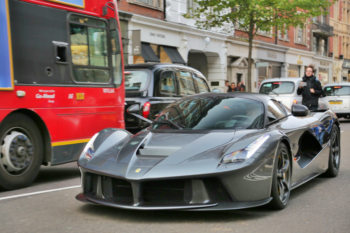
(322,28)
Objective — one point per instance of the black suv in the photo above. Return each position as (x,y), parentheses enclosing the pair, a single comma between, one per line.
(155,86)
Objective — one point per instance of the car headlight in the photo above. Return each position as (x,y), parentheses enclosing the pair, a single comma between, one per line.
(245,153)
(89,150)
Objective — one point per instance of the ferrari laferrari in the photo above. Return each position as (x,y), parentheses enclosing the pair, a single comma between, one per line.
(212,151)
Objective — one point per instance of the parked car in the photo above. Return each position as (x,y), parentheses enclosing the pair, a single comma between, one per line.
(154,86)
(285,91)
(338,98)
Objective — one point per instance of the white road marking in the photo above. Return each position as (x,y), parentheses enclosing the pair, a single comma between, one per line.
(40,192)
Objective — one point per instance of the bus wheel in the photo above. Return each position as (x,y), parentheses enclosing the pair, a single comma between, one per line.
(21,151)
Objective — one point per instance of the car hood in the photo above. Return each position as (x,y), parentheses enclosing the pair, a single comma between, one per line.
(149,154)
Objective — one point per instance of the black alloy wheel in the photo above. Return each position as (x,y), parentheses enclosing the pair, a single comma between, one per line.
(280,190)
(334,154)
(21,151)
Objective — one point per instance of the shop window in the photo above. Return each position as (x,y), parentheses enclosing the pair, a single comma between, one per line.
(293,71)
(89,50)
(163,56)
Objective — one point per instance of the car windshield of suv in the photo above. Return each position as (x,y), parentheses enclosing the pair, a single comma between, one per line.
(214,112)
(271,88)
(136,80)
(337,90)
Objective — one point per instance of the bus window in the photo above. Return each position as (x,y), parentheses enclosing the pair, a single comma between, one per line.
(89,50)
(116,58)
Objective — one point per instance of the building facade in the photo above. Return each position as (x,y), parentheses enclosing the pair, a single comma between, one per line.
(166,36)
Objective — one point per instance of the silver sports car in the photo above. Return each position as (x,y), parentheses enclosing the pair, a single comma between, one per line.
(213,151)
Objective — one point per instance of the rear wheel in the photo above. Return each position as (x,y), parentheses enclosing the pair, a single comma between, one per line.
(21,151)
(334,154)
(281,179)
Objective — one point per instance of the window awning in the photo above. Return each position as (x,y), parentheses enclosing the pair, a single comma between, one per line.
(148,54)
(174,55)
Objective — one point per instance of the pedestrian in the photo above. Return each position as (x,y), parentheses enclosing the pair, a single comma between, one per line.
(239,86)
(233,87)
(227,84)
(242,87)
(310,88)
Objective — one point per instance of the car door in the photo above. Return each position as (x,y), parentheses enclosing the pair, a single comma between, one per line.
(293,128)
(201,84)
(186,85)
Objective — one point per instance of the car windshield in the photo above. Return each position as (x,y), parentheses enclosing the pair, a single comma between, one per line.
(277,88)
(337,90)
(136,80)
(214,112)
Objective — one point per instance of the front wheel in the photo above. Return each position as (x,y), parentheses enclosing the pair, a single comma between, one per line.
(281,179)
(334,154)
(21,151)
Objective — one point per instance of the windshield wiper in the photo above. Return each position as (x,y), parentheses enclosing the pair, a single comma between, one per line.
(275,93)
(179,126)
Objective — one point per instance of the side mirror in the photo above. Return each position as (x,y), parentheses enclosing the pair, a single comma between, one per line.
(135,108)
(299,110)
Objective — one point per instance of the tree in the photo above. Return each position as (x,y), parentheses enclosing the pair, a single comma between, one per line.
(252,16)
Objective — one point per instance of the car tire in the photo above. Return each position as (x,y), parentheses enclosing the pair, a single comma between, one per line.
(334,154)
(281,179)
(21,151)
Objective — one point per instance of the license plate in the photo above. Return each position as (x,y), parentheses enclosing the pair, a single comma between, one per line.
(335,102)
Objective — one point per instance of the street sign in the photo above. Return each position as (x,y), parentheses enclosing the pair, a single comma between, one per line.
(261,64)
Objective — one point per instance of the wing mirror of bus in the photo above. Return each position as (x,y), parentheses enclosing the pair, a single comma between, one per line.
(113,24)
(133,109)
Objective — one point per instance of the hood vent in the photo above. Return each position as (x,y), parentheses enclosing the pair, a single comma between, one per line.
(156,151)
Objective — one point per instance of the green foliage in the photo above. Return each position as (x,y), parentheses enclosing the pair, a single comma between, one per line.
(254,15)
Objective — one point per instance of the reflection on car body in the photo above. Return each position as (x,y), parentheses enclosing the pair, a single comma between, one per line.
(155,86)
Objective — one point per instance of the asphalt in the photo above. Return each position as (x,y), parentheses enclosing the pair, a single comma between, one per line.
(321,205)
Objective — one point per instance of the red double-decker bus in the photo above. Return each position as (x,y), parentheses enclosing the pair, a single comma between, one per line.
(61,81)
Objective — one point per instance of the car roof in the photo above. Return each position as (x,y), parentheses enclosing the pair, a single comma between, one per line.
(282,79)
(263,98)
(336,84)
(154,66)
